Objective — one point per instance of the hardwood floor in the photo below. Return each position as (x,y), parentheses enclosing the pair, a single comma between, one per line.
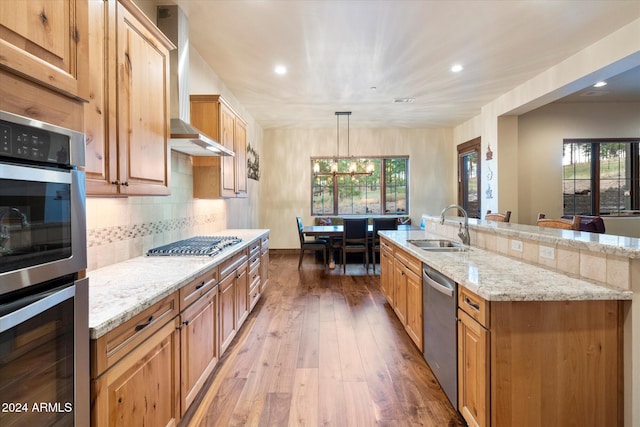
(321,348)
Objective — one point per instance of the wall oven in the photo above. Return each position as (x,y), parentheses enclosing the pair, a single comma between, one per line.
(44,336)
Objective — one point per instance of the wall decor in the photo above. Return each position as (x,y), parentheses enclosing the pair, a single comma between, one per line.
(489,153)
(253,163)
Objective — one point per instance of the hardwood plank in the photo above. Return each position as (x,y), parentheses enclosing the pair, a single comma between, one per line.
(304,400)
(276,410)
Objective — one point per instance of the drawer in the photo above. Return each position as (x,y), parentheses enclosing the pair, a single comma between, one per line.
(228,266)
(264,244)
(254,293)
(116,344)
(474,306)
(254,248)
(409,261)
(254,261)
(385,245)
(198,287)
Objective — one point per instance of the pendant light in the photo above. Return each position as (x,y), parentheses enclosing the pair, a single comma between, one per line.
(352,171)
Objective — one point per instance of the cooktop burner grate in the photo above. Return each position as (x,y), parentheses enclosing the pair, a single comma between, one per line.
(195,246)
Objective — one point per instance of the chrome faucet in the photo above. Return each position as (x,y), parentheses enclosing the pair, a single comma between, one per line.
(463,234)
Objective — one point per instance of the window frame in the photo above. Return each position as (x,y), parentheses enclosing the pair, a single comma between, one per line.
(595,187)
(382,185)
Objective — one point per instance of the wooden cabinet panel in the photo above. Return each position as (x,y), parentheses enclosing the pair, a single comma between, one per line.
(414,324)
(264,264)
(227,311)
(128,119)
(473,371)
(46,42)
(242,296)
(219,177)
(199,345)
(386,273)
(143,388)
(400,291)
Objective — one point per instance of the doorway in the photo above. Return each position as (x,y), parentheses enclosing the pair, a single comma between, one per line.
(469,177)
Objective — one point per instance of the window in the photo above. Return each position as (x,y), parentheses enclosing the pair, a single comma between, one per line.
(385,191)
(601,176)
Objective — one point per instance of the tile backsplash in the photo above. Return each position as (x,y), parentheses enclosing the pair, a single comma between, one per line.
(123,228)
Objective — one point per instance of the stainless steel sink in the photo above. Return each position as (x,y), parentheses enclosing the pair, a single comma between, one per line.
(438,245)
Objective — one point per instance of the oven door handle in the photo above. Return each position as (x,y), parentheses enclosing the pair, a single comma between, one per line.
(13,319)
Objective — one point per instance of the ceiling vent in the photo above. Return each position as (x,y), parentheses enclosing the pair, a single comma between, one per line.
(403,100)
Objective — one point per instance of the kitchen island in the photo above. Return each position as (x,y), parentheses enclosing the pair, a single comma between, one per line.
(536,345)
(159,325)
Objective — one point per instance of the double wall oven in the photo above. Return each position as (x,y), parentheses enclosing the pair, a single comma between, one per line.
(44,334)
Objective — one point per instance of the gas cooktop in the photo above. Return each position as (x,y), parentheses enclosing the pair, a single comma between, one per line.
(195,246)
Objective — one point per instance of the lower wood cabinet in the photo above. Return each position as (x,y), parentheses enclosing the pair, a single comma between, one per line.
(386,270)
(199,345)
(142,389)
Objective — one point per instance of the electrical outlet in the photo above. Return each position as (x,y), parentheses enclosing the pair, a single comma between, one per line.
(547,252)
(516,245)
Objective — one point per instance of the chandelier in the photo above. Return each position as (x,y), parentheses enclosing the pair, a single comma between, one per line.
(353,167)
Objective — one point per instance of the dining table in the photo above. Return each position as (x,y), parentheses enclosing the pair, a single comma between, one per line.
(332,231)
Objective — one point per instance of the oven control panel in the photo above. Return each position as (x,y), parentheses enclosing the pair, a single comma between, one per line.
(33,144)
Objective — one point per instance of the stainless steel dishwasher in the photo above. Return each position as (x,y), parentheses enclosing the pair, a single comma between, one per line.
(440,296)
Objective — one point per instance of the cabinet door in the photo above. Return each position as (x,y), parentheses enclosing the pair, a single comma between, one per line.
(101,145)
(143,111)
(142,389)
(45,41)
(473,374)
(199,345)
(242,295)
(240,148)
(227,129)
(264,270)
(386,274)
(400,291)
(414,324)
(227,311)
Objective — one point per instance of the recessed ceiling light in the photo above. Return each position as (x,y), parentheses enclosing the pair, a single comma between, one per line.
(280,69)
(600,84)
(456,68)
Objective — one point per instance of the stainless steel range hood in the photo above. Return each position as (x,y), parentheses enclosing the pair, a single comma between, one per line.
(184,137)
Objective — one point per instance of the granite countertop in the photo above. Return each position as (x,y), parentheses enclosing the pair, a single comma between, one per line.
(495,277)
(120,291)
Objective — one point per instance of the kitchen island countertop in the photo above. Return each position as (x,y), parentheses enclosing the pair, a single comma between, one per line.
(496,277)
(120,291)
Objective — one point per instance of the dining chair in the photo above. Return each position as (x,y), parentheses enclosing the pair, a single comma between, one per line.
(380,224)
(310,245)
(355,238)
(563,223)
(498,217)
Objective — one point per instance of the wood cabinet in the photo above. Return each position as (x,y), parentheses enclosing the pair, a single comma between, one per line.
(233,297)
(127,117)
(224,176)
(473,366)
(46,42)
(539,363)
(264,264)
(386,270)
(199,334)
(401,283)
(135,370)
(254,269)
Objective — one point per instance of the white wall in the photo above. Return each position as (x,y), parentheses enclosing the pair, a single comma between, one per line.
(540,136)
(287,176)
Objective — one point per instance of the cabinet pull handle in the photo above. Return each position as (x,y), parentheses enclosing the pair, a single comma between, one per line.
(200,285)
(126,183)
(116,182)
(472,304)
(144,325)
(186,323)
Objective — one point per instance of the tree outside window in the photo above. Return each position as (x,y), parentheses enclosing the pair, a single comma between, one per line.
(384,191)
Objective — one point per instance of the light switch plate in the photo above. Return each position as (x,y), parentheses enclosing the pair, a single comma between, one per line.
(547,252)
(516,245)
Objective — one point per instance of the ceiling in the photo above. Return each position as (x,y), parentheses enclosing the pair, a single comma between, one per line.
(360,55)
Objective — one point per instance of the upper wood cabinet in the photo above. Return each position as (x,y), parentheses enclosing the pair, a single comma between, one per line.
(46,41)
(219,177)
(127,117)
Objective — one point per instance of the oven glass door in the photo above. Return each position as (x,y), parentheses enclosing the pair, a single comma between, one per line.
(37,359)
(37,210)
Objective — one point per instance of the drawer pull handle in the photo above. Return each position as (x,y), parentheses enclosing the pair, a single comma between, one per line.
(472,304)
(144,325)
(200,285)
